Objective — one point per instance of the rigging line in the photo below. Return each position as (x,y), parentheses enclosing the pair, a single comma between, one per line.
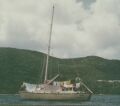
(58,67)
(74,64)
(82,81)
(42,69)
(39,73)
(43,65)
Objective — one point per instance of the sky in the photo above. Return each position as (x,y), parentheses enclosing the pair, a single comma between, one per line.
(80,28)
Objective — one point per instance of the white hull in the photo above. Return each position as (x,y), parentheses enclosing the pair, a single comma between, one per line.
(54,96)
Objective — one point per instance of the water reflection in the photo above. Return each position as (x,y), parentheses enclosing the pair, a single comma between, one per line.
(96,100)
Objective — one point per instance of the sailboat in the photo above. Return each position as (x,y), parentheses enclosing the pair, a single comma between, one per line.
(55,90)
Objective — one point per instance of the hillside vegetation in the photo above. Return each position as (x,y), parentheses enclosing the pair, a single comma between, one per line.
(18,66)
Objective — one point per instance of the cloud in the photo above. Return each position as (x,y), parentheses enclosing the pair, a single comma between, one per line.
(81,27)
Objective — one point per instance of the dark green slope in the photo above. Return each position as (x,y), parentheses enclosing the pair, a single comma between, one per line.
(18,65)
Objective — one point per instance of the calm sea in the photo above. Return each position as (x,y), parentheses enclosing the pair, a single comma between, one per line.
(96,100)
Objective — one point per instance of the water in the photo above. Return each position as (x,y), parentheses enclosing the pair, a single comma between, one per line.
(96,100)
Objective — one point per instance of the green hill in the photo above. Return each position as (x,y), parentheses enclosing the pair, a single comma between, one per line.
(17,66)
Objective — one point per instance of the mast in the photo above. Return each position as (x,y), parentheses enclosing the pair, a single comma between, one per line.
(49,47)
